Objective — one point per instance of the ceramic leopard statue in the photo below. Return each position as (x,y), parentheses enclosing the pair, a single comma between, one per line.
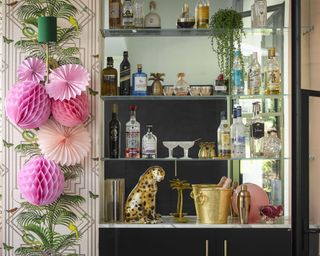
(140,206)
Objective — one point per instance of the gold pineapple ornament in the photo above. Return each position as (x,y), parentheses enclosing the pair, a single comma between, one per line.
(157,78)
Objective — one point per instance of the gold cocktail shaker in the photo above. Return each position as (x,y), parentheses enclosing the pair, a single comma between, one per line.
(244,204)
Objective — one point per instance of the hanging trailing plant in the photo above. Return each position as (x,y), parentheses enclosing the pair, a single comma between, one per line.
(226,27)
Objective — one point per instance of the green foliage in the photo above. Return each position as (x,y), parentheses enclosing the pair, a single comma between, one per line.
(28,14)
(226,27)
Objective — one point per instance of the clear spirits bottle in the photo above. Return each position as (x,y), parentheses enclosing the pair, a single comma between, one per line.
(125,75)
(202,14)
(181,88)
(273,73)
(127,15)
(139,80)
(237,75)
(259,14)
(257,132)
(109,83)
(239,136)
(114,133)
(149,144)
(152,19)
(223,137)
(132,135)
(138,13)
(114,14)
(254,75)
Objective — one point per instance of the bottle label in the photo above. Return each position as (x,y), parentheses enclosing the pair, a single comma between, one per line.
(127,18)
(125,81)
(237,77)
(274,78)
(257,130)
(110,79)
(114,136)
(254,79)
(140,84)
(220,88)
(114,11)
(150,148)
(225,141)
(133,140)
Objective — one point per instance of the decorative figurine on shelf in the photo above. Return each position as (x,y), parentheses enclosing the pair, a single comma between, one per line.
(140,206)
(207,150)
(156,85)
(152,19)
(180,185)
(270,213)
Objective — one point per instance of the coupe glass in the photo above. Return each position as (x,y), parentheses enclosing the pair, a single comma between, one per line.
(186,145)
(170,145)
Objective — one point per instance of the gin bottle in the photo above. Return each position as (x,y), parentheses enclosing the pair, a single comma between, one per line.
(237,75)
(239,137)
(114,133)
(132,135)
(223,137)
(257,132)
(139,80)
(273,73)
(149,144)
(125,75)
(254,75)
(127,14)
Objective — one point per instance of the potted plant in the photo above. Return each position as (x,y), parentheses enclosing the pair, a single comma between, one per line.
(226,29)
(156,85)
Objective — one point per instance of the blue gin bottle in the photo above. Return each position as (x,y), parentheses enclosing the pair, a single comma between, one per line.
(139,80)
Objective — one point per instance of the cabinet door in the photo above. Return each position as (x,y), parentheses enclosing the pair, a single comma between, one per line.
(154,241)
(253,242)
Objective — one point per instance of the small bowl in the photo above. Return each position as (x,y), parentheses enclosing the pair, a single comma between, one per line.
(195,91)
(206,90)
(168,90)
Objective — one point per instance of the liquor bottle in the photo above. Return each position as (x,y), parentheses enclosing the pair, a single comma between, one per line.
(132,135)
(181,88)
(202,14)
(114,133)
(127,14)
(125,75)
(273,73)
(239,137)
(138,13)
(254,75)
(109,83)
(152,19)
(233,129)
(237,75)
(114,13)
(257,132)
(259,14)
(149,144)
(223,137)
(139,80)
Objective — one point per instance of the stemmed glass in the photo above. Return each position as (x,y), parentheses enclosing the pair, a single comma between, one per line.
(170,145)
(186,145)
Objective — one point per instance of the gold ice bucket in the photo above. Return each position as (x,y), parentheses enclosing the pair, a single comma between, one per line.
(212,203)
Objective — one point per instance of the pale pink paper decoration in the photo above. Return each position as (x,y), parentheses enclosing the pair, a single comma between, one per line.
(67,82)
(64,145)
(71,112)
(32,69)
(41,181)
(28,105)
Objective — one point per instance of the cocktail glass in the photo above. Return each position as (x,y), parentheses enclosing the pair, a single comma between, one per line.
(170,145)
(186,145)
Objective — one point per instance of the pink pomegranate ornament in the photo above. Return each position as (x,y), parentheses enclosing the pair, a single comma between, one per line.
(71,112)
(41,181)
(28,105)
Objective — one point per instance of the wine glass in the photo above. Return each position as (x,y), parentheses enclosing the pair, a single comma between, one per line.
(186,145)
(170,145)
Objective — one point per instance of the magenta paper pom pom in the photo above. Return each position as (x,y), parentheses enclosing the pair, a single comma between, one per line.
(71,112)
(28,105)
(41,181)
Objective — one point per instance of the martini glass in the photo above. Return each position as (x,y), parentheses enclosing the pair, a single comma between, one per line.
(186,145)
(170,145)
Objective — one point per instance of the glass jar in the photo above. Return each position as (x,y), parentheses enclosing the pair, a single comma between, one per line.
(272,144)
(181,88)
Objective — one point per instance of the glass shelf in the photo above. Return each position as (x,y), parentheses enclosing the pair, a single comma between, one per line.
(174,32)
(189,159)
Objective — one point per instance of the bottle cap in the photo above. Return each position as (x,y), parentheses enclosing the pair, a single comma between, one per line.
(133,107)
(256,108)
(235,112)
(239,111)
(271,52)
(149,126)
(152,5)
(125,53)
(109,60)
(139,66)
(114,108)
(181,74)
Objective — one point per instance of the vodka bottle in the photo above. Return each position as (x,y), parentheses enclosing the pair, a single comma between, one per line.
(239,137)
(257,132)
(237,75)
(254,76)
(223,137)
(149,144)
(132,135)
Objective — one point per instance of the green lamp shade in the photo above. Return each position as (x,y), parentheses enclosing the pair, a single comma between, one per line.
(47,29)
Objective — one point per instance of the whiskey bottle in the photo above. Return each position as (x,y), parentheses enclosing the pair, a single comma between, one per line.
(127,15)
(254,76)
(202,14)
(223,137)
(132,135)
(237,75)
(125,75)
(149,144)
(257,132)
(114,14)
(114,134)
(139,80)
(109,83)
(273,73)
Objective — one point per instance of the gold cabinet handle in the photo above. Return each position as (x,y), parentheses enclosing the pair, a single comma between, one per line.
(225,248)
(207,247)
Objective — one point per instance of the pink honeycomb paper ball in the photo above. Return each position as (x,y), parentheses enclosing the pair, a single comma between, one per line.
(41,181)
(28,105)
(71,112)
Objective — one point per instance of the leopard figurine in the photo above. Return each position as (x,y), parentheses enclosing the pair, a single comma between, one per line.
(140,206)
